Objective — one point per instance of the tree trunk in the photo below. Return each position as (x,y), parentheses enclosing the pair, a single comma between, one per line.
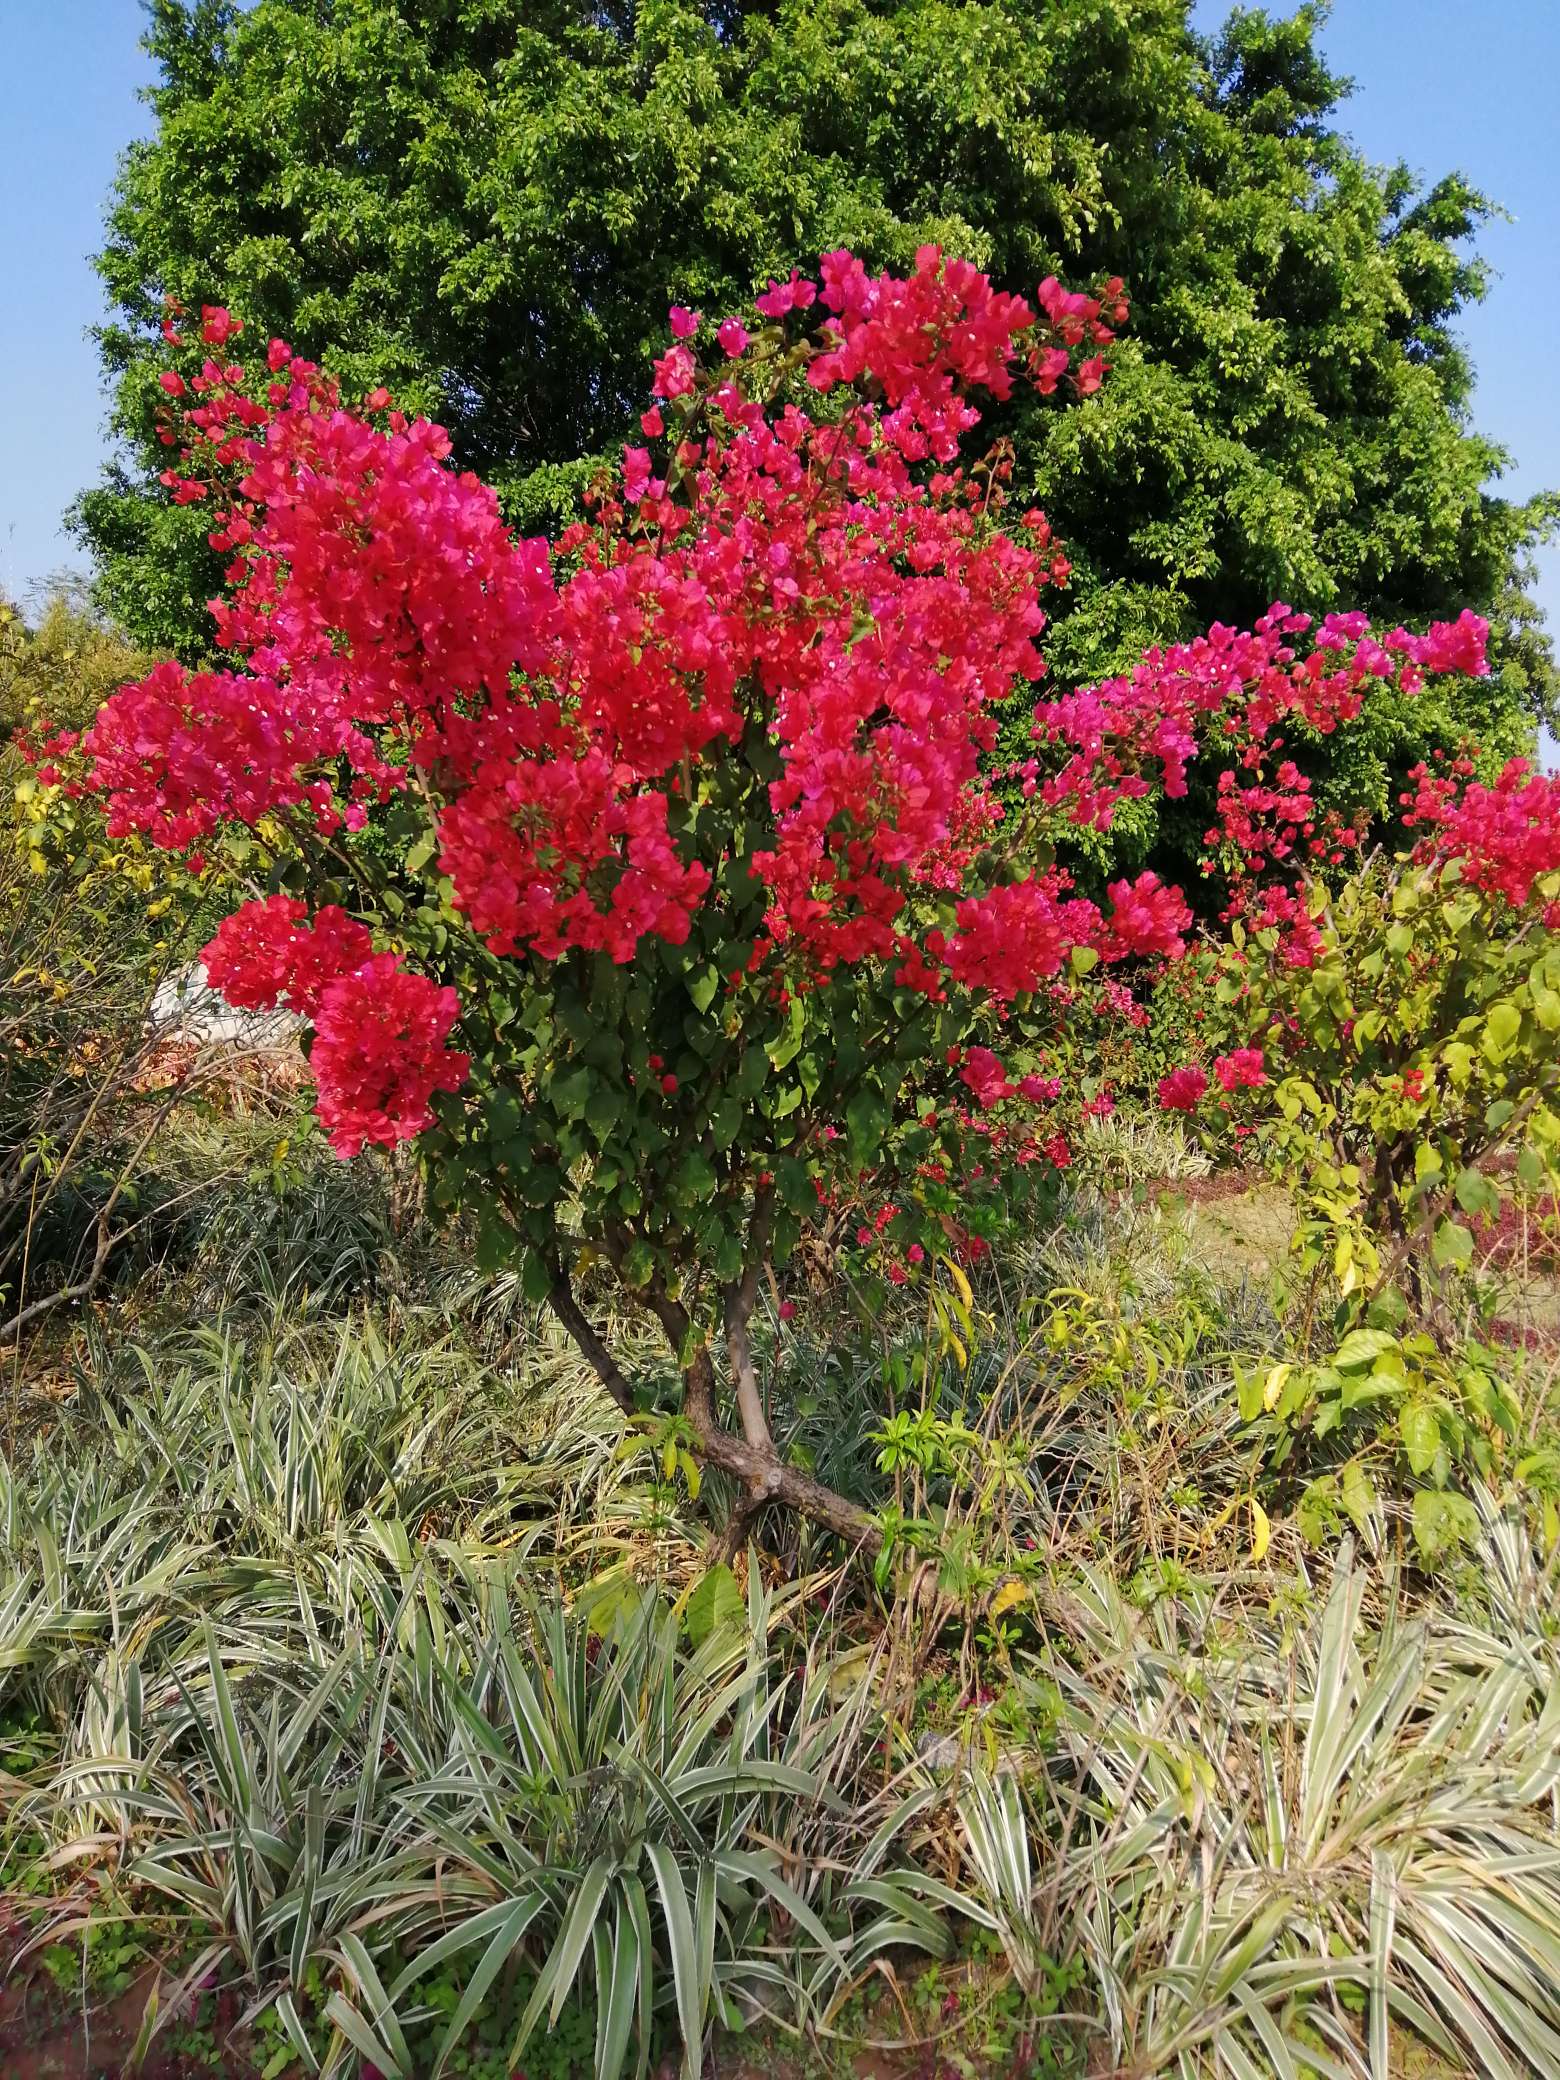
(767,1477)
(750,1458)
(560,1298)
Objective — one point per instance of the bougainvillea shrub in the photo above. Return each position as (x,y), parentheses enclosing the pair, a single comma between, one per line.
(1389,1049)
(1391,1043)
(662,881)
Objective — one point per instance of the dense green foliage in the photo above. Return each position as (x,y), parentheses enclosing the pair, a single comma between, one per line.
(489,211)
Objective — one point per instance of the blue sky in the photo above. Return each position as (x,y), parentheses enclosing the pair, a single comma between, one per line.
(1438,84)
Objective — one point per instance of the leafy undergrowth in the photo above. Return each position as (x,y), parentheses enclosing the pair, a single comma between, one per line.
(1246,1225)
(369,1701)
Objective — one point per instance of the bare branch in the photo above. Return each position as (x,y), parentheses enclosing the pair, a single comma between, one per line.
(560,1297)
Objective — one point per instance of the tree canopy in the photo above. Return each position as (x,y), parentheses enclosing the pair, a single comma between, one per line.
(488,209)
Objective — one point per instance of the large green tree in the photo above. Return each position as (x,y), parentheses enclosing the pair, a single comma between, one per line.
(488,206)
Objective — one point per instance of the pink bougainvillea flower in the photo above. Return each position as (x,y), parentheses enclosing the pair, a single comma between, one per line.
(1182,1090)
(1241,1071)
(380,1055)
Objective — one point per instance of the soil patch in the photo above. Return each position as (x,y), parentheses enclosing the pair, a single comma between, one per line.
(43,2037)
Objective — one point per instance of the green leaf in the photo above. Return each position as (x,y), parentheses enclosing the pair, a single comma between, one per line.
(497,1241)
(638,1265)
(343,2016)
(1501,1028)
(1316,1513)
(1460,914)
(795,1185)
(541,1184)
(1357,1492)
(607,1598)
(696,1177)
(603,1109)
(1421,1435)
(715,1603)
(575,1933)
(702,987)
(1452,1249)
(1427,1162)
(751,1072)
(575,1015)
(1476,1194)
(1458,1057)
(535,1278)
(785,1047)
(1248,1392)
(617,1981)
(1442,1523)
(866,1117)
(1362,1347)
(569,1092)
(681,1943)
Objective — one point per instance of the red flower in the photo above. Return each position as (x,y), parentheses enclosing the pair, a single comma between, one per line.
(985,1076)
(379,1055)
(1182,1090)
(267,954)
(837,580)
(1242,1070)
(1091,374)
(218,326)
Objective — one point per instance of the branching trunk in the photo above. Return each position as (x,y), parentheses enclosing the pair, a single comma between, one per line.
(773,1480)
(750,1458)
(767,1477)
